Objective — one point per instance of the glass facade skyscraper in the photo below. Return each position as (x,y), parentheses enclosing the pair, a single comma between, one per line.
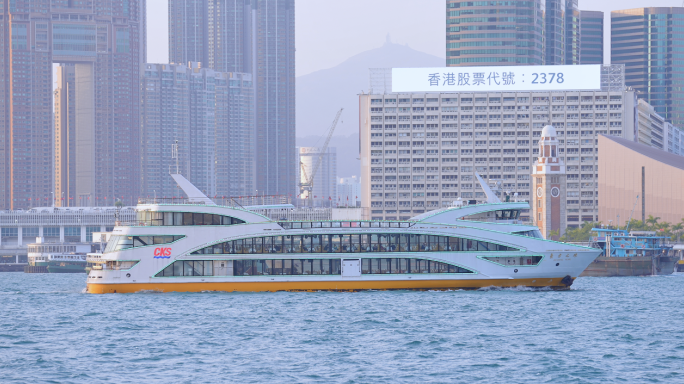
(591,37)
(498,33)
(650,43)
(533,32)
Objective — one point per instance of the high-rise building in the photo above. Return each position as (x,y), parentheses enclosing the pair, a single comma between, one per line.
(275,78)
(646,41)
(325,180)
(105,43)
(591,37)
(495,33)
(209,115)
(65,136)
(188,31)
(513,33)
(561,26)
(572,33)
(349,189)
(251,36)
(216,33)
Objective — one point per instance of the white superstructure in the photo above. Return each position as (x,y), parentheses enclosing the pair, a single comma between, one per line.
(207,247)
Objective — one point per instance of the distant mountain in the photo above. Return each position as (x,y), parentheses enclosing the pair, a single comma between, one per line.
(322,93)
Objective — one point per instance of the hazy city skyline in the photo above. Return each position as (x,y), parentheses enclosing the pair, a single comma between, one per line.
(324,42)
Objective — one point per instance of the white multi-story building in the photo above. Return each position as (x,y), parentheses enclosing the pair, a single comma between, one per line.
(675,139)
(349,191)
(420,151)
(325,179)
(654,131)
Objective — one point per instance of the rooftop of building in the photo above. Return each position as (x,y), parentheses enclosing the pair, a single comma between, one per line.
(650,152)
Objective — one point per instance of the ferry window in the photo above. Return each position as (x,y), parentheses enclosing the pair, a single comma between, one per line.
(218,249)
(335,224)
(365,224)
(296,267)
(515,261)
(365,266)
(348,243)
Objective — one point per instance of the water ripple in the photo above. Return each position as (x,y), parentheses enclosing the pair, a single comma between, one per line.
(604,330)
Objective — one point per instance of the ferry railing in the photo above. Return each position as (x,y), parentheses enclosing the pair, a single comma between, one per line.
(226,201)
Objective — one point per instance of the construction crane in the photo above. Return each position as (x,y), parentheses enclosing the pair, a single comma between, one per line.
(306,186)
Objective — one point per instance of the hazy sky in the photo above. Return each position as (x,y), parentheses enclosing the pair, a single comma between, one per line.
(329,32)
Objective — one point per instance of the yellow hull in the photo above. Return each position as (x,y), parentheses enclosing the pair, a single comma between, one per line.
(275,286)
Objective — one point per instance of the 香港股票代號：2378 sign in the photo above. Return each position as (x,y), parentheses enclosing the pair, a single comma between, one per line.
(501,79)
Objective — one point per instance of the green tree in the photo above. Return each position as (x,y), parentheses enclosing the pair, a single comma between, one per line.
(554,234)
(677,229)
(635,225)
(583,233)
(652,221)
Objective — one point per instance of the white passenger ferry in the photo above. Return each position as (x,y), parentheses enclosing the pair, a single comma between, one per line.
(200,246)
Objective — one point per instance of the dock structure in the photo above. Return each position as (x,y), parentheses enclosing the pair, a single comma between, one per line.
(631,253)
(18,228)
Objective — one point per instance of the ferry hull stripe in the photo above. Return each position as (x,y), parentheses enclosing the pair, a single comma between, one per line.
(554,283)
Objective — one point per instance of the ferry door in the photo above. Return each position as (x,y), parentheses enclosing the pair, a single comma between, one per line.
(351,267)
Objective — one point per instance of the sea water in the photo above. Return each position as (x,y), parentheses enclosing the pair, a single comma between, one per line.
(603,330)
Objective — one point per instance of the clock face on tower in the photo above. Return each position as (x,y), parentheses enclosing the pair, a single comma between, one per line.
(540,192)
(555,191)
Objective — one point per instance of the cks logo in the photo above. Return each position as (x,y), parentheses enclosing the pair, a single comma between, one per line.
(162,253)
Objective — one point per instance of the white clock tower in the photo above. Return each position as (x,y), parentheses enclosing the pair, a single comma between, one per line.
(548,179)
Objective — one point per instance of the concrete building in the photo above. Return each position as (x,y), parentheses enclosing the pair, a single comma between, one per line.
(675,139)
(105,42)
(591,37)
(325,180)
(65,137)
(210,115)
(654,131)
(275,37)
(254,37)
(628,169)
(349,189)
(216,33)
(549,210)
(419,151)
(645,40)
